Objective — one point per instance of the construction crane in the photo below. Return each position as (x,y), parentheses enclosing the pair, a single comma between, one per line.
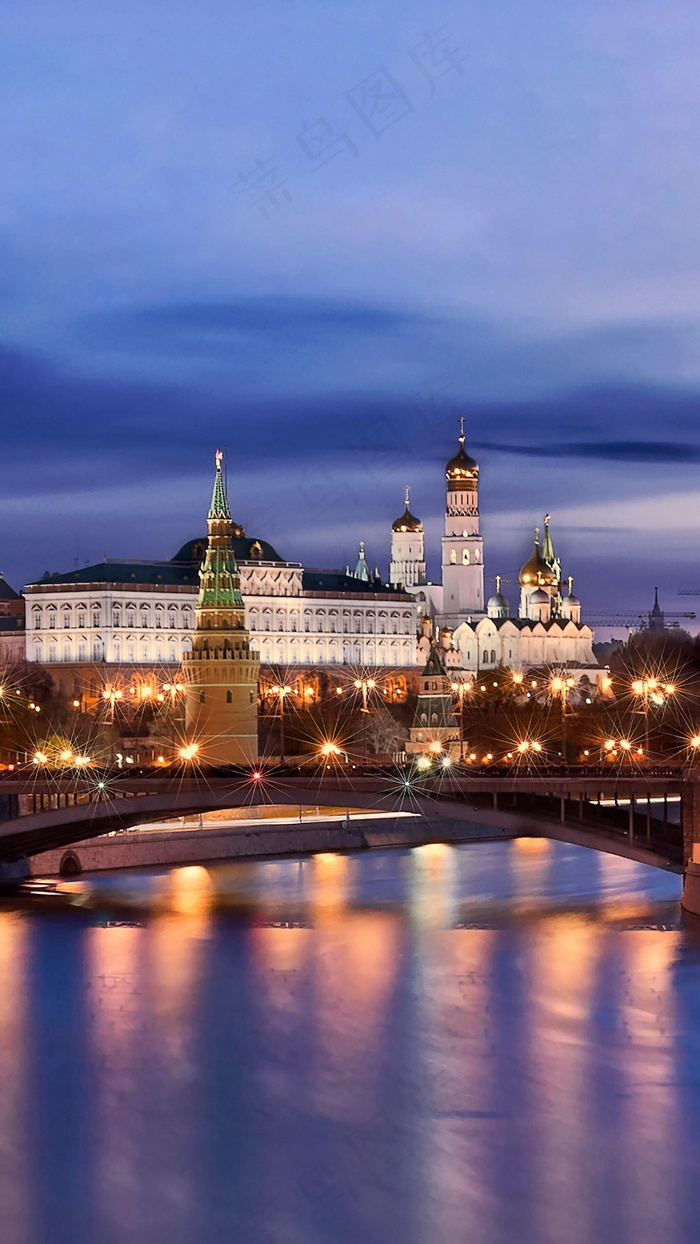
(624,619)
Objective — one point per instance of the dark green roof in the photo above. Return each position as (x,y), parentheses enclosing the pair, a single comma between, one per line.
(245,548)
(128,572)
(434,667)
(338,581)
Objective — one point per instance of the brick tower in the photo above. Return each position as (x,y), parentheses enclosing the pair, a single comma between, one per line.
(221,672)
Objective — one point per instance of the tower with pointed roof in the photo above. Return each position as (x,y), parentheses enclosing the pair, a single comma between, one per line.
(407,565)
(221,671)
(435,726)
(462,544)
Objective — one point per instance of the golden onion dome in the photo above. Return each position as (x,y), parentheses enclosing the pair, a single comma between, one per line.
(462,466)
(407,522)
(536,570)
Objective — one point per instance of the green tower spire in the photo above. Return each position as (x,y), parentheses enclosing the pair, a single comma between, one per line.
(219,581)
(219,501)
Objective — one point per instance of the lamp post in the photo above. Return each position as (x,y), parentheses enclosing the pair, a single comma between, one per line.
(365,685)
(173,690)
(281,691)
(643,688)
(112,695)
(461,688)
(561,687)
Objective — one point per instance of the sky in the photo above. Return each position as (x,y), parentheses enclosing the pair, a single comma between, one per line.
(315,234)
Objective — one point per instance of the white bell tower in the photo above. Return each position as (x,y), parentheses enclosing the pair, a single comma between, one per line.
(407,565)
(462,545)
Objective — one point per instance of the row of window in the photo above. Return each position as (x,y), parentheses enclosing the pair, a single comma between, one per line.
(318,626)
(64,619)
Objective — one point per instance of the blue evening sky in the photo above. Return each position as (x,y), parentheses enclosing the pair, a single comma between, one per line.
(315,233)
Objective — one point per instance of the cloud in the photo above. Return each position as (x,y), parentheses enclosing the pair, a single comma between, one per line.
(611,451)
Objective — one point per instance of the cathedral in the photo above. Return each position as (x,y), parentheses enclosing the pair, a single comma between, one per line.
(475,633)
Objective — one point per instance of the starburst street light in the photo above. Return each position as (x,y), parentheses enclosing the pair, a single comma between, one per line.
(560,686)
(653,689)
(365,685)
(189,751)
(281,690)
(330,749)
(461,688)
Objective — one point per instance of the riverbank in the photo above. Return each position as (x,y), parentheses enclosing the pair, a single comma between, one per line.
(236,839)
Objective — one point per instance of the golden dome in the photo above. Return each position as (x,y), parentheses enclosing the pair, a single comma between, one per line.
(407,521)
(462,466)
(536,570)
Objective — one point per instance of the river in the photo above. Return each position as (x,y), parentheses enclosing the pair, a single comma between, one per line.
(485,1043)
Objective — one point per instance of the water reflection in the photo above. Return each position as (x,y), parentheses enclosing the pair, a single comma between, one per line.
(481,1043)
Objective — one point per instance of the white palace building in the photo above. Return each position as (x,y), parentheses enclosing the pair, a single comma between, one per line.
(136,613)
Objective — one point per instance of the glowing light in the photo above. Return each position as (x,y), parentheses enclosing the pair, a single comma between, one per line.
(468,686)
(81,761)
(483,688)
(330,749)
(488,756)
(536,747)
(472,755)
(40,758)
(435,747)
(161,760)
(638,687)
(669,688)
(625,745)
(76,704)
(695,741)
(522,747)
(424,762)
(339,691)
(533,683)
(609,745)
(586,752)
(66,754)
(100,785)
(187,753)
(557,684)
(517,679)
(606,683)
(256,775)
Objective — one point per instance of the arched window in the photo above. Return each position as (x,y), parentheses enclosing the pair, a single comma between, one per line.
(229,697)
(453,557)
(201,696)
(465,557)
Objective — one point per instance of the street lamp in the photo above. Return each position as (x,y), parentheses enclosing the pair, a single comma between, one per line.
(461,688)
(189,751)
(365,685)
(281,690)
(561,687)
(643,688)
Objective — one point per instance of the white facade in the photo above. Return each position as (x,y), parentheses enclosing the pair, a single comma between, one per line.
(82,623)
(488,643)
(75,623)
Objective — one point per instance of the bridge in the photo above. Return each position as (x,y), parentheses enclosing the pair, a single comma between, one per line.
(47,812)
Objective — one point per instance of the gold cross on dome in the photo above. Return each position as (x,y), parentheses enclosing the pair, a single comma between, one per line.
(219,459)
(461,427)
